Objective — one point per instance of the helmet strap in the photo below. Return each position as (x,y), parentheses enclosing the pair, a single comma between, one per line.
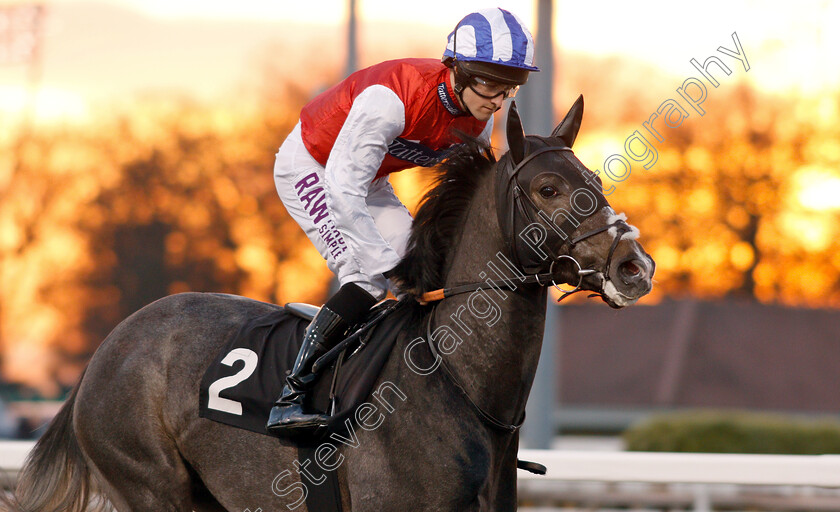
(462,78)
(461,81)
(464,103)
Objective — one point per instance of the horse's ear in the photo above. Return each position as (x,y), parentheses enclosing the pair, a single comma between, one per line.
(515,134)
(568,128)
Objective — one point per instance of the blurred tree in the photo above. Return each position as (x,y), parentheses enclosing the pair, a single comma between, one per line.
(169,196)
(194,209)
(715,209)
(166,195)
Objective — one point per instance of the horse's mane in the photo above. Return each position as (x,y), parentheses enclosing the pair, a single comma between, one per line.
(440,217)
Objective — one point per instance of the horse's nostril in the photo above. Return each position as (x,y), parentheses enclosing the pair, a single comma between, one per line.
(631,269)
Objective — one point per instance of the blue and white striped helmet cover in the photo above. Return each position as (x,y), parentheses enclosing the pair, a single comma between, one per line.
(492,35)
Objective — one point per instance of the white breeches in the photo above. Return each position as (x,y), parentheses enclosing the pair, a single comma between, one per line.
(299,179)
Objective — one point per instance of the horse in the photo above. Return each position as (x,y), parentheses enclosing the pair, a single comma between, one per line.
(444,435)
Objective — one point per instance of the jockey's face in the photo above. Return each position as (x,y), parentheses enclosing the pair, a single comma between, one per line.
(481,108)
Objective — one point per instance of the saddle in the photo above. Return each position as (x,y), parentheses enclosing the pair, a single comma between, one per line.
(241,384)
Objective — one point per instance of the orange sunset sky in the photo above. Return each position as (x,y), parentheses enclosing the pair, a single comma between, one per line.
(97,52)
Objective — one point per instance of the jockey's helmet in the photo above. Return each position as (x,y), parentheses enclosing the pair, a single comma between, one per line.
(492,44)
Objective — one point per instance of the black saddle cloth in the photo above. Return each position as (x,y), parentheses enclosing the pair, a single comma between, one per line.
(244,380)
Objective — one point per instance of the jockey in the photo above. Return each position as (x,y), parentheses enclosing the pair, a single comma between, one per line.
(332,170)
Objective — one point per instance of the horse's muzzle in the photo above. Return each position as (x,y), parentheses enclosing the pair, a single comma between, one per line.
(630,279)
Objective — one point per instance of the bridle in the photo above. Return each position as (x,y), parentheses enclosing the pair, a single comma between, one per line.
(530,211)
(511,188)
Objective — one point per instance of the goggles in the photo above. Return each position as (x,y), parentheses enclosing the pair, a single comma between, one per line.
(492,90)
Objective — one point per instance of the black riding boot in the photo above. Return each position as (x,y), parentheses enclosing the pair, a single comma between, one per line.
(287,413)
(346,307)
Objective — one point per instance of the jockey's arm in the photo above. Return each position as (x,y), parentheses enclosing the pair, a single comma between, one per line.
(376,118)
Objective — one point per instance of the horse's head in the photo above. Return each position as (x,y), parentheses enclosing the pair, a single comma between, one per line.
(556,219)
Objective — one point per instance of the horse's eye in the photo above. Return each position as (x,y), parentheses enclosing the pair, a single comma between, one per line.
(548,191)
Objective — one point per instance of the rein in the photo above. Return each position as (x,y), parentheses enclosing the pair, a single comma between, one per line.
(543,279)
(486,416)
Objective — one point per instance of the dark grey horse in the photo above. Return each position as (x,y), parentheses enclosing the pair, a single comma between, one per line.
(439,433)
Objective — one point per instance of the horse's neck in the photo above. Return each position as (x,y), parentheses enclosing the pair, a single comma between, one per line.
(501,331)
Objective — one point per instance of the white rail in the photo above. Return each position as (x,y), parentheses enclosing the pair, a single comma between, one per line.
(12,456)
(699,468)
(700,472)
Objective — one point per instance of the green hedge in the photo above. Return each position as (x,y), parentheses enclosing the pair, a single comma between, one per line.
(734,432)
